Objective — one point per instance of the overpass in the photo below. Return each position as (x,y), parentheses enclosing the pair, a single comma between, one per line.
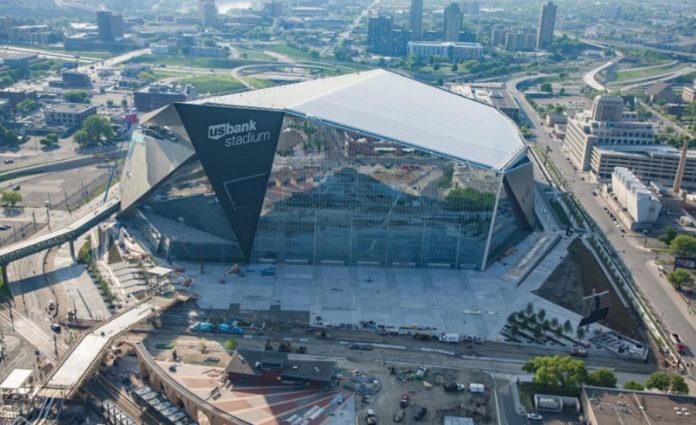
(58,237)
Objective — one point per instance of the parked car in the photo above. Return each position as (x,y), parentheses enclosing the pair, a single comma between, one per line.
(51,305)
(16,187)
(399,415)
(420,413)
(534,417)
(55,327)
(9,161)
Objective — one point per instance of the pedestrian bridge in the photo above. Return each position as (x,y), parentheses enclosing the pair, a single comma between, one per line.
(58,237)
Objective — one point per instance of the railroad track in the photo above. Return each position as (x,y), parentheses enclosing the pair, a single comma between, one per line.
(102,389)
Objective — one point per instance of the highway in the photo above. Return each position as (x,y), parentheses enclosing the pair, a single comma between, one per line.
(591,77)
(664,301)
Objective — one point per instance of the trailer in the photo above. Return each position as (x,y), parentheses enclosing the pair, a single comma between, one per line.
(449,338)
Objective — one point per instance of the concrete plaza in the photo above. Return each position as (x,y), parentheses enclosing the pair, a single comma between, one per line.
(467,302)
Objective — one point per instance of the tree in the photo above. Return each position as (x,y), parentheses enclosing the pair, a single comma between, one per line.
(230,344)
(541,314)
(10,137)
(49,141)
(580,332)
(560,371)
(81,138)
(97,127)
(680,277)
(11,198)
(567,326)
(602,378)
(314,54)
(209,42)
(26,106)
(677,385)
(124,103)
(546,87)
(109,103)
(668,235)
(683,245)
(659,380)
(562,91)
(202,345)
(76,96)
(455,67)
(633,385)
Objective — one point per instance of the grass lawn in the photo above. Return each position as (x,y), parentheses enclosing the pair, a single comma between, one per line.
(292,52)
(259,83)
(254,55)
(214,84)
(189,61)
(631,74)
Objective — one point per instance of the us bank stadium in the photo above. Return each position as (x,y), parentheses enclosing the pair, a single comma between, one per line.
(368,169)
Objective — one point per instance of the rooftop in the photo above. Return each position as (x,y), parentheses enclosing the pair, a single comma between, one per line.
(645,150)
(16,379)
(75,108)
(392,107)
(248,362)
(622,407)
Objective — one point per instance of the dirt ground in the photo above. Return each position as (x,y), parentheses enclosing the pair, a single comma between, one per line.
(480,407)
(578,274)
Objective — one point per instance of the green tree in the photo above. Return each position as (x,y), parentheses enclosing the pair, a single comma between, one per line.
(97,127)
(541,314)
(580,332)
(633,385)
(679,278)
(26,106)
(602,378)
(684,245)
(567,327)
(11,198)
(124,103)
(314,54)
(209,42)
(659,380)
(76,96)
(10,137)
(231,344)
(668,235)
(81,138)
(560,371)
(49,141)
(546,87)
(678,385)
(109,103)
(455,67)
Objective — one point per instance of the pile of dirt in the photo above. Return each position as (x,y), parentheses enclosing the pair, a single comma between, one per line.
(578,275)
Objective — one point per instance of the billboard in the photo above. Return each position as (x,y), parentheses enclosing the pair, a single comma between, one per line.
(236,147)
(595,308)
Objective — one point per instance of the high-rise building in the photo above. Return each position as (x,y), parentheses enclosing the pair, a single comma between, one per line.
(452,23)
(470,7)
(605,125)
(498,36)
(520,40)
(400,39)
(109,25)
(208,11)
(416,19)
(380,34)
(547,21)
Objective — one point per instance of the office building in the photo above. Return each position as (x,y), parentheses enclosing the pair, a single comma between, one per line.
(498,36)
(34,34)
(209,52)
(519,40)
(334,171)
(606,125)
(416,19)
(452,22)
(380,34)
(400,39)
(467,36)
(470,7)
(156,96)
(69,114)
(452,52)
(635,199)
(209,13)
(547,22)
(273,9)
(74,79)
(610,406)
(109,26)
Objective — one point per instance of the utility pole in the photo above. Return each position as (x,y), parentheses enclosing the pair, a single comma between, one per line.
(55,345)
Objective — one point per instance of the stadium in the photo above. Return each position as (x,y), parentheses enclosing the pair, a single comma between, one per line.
(367,169)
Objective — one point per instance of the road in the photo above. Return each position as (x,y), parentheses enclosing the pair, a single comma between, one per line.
(640,261)
(349,29)
(591,77)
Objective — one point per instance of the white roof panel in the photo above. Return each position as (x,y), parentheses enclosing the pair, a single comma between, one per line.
(16,379)
(393,107)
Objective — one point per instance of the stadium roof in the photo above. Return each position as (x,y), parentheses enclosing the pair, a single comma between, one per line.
(393,107)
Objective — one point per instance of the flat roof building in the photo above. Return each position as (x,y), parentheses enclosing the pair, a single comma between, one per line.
(451,51)
(605,406)
(493,94)
(272,368)
(370,168)
(156,96)
(639,202)
(605,125)
(69,114)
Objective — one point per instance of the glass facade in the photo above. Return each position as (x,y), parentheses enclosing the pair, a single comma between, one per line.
(335,196)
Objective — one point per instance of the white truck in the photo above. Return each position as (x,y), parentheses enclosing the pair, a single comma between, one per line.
(450,338)
(476,388)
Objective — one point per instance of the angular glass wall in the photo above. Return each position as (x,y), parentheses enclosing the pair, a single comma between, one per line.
(337,197)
